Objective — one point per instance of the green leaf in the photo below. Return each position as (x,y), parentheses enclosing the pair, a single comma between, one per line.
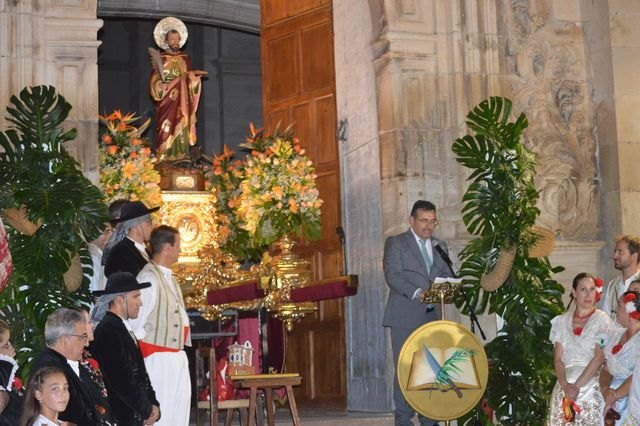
(44,178)
(499,206)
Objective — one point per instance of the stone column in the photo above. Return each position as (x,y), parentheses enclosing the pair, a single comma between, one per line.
(613,30)
(369,366)
(54,42)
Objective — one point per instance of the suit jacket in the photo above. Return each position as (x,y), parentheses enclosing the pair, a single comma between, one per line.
(125,376)
(86,407)
(124,257)
(405,272)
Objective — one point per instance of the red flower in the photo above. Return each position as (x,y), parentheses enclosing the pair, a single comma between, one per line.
(616,349)
(577,331)
(635,315)
(599,283)
(93,364)
(630,297)
(17,383)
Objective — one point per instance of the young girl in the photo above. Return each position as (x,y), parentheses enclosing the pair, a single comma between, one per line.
(47,395)
(578,337)
(11,390)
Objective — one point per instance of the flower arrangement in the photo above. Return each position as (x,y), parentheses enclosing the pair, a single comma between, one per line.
(278,194)
(126,161)
(225,177)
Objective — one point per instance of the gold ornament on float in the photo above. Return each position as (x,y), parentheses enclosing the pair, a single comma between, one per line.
(271,282)
(191,213)
(290,271)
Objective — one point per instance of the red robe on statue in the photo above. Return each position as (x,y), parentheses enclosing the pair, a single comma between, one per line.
(176,105)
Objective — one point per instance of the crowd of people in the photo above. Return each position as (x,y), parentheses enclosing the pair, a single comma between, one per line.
(596,341)
(133,363)
(597,347)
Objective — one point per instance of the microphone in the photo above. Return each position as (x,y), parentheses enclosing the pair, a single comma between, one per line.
(340,233)
(443,254)
(342,238)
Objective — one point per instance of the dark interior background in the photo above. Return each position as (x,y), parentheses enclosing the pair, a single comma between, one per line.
(232,92)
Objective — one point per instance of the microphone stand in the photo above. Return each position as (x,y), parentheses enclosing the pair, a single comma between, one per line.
(472,315)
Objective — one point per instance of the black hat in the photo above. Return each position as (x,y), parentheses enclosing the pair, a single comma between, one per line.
(132,210)
(121,282)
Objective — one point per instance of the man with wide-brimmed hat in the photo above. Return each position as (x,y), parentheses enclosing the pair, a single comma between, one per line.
(131,395)
(96,247)
(126,251)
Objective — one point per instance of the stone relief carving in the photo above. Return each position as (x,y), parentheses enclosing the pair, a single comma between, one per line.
(548,84)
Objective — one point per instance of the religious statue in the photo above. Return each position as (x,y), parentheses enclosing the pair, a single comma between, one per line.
(175,87)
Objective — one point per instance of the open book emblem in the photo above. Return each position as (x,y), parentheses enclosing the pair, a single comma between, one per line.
(443,369)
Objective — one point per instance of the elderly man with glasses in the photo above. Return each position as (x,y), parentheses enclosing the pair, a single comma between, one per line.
(65,334)
(412,261)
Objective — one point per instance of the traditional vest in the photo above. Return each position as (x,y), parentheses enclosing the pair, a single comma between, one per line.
(165,329)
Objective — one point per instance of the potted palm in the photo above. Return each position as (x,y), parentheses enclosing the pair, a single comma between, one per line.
(51,208)
(502,272)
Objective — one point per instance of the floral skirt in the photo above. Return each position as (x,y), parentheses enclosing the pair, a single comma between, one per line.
(590,402)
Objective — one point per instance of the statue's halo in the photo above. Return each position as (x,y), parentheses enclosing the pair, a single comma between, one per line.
(164,26)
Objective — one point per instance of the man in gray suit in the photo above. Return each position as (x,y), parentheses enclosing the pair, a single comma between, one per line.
(411,263)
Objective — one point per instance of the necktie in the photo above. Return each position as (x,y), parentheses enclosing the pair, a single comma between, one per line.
(425,255)
(133,336)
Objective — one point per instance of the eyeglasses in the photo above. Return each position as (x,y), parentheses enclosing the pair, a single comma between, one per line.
(83,336)
(427,221)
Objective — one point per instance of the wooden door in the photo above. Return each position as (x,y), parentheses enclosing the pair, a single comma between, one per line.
(298,76)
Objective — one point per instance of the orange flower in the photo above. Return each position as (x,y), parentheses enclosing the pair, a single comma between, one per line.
(112,149)
(106,139)
(133,155)
(122,126)
(223,232)
(128,170)
(115,115)
(277,192)
(146,151)
(233,202)
(227,153)
(136,141)
(293,206)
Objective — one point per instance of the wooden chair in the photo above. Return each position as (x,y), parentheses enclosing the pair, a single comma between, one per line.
(206,361)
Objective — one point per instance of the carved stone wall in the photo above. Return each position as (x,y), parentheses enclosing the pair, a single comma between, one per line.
(433,61)
(546,69)
(54,42)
